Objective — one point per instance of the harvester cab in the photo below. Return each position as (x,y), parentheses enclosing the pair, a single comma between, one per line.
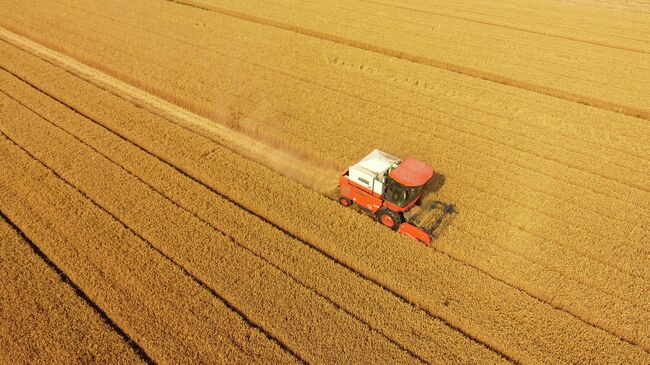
(391,189)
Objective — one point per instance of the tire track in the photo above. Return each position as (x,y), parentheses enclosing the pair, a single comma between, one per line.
(466,71)
(316,248)
(137,348)
(247,210)
(225,198)
(378,283)
(521,29)
(560,162)
(195,279)
(311,174)
(247,61)
(207,223)
(528,293)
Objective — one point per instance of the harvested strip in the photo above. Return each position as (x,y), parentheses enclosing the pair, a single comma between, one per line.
(305,322)
(42,317)
(415,329)
(474,302)
(162,309)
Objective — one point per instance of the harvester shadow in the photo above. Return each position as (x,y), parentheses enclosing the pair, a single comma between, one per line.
(434,184)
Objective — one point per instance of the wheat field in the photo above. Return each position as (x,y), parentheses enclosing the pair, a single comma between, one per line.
(169,175)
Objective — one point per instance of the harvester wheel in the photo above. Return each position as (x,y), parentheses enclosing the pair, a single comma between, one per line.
(345,201)
(389,218)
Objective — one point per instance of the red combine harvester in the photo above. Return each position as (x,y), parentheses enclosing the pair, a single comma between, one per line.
(391,189)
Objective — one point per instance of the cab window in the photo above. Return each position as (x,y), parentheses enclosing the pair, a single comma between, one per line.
(399,194)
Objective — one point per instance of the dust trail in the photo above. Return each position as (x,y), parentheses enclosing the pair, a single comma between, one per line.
(294,165)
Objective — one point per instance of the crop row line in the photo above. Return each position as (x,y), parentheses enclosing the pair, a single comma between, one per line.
(521,29)
(331,257)
(414,29)
(134,26)
(493,141)
(519,133)
(349,19)
(522,290)
(237,242)
(249,211)
(284,230)
(77,290)
(292,76)
(511,13)
(463,131)
(475,73)
(185,271)
(543,263)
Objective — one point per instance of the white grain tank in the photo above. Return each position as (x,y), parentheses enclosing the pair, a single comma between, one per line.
(372,170)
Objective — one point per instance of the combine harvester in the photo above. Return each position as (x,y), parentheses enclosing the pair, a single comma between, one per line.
(391,190)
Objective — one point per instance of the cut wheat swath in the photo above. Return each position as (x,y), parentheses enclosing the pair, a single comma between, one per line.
(285,163)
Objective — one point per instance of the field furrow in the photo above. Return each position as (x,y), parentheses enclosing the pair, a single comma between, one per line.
(543,150)
(289,310)
(137,293)
(55,319)
(447,149)
(179,60)
(175,163)
(476,51)
(541,18)
(607,273)
(375,257)
(428,337)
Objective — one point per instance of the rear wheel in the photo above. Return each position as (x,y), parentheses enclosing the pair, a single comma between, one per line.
(389,218)
(345,201)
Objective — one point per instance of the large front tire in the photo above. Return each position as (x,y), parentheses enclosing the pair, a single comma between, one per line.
(345,201)
(389,218)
